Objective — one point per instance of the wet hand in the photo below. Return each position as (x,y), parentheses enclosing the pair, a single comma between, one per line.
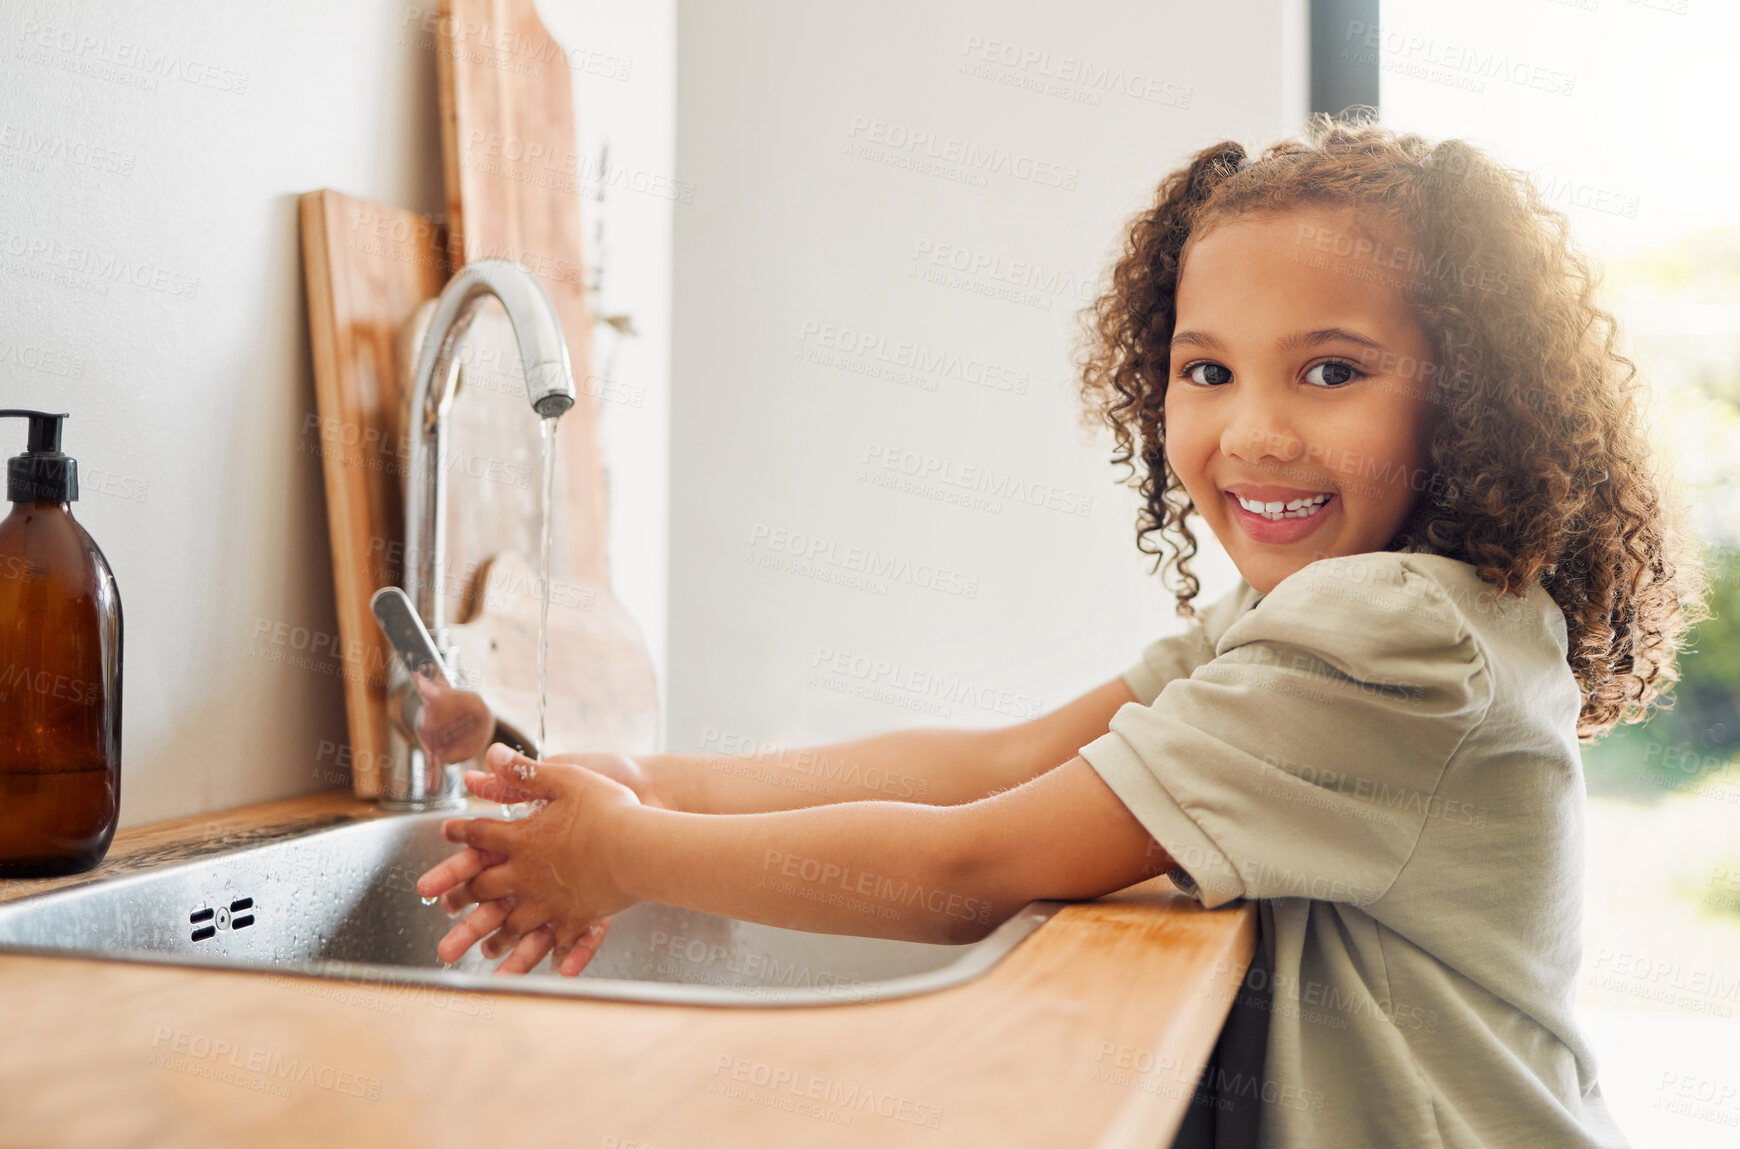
(470,862)
(543,883)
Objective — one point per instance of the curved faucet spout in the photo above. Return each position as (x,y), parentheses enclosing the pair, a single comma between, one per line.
(410,780)
(549,387)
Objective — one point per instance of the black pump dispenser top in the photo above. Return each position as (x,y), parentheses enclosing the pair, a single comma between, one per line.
(42,474)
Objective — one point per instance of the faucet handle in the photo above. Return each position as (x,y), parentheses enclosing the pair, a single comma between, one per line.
(398,620)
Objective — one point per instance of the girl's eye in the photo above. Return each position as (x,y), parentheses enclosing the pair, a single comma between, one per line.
(1334,373)
(1206,374)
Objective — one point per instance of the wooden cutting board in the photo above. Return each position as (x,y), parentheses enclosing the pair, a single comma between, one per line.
(603,695)
(512,169)
(368,267)
(372,273)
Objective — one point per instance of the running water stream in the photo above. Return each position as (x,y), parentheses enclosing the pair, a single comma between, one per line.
(544,581)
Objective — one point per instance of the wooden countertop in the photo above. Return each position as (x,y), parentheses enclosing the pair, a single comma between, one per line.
(1091,1032)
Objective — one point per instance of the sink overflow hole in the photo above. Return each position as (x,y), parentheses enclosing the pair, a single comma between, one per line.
(210,920)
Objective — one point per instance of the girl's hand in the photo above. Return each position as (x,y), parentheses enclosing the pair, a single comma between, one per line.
(552,888)
(471,861)
(620,768)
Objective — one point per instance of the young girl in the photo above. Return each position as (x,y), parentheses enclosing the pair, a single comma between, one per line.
(1376,370)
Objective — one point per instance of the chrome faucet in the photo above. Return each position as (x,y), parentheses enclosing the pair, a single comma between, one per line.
(413,780)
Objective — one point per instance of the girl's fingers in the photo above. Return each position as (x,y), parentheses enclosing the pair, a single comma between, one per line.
(567,933)
(584,949)
(461,867)
(492,789)
(521,772)
(484,833)
(521,921)
(495,882)
(454,901)
(530,951)
(482,922)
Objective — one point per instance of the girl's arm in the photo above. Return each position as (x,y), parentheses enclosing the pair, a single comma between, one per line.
(937,767)
(880,869)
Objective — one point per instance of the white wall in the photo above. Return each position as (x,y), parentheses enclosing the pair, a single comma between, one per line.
(811,226)
(188,392)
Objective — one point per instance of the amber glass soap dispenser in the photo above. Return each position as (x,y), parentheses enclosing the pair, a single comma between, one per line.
(60,670)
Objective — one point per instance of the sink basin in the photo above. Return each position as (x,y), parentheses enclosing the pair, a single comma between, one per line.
(341,903)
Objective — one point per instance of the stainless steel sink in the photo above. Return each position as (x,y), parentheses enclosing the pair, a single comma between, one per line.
(341,903)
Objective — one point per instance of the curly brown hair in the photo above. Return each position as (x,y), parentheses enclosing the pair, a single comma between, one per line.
(1541,466)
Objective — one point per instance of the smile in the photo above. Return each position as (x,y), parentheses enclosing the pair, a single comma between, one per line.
(1296,509)
(1287,523)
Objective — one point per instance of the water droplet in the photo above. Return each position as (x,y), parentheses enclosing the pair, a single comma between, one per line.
(427,902)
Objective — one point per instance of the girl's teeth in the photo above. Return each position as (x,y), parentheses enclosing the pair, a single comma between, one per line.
(1297,509)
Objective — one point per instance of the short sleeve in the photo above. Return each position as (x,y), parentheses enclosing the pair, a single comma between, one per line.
(1176,655)
(1301,759)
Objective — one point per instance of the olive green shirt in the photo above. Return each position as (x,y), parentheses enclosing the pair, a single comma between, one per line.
(1389,768)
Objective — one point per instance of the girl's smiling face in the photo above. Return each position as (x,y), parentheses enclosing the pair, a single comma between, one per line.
(1296,374)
